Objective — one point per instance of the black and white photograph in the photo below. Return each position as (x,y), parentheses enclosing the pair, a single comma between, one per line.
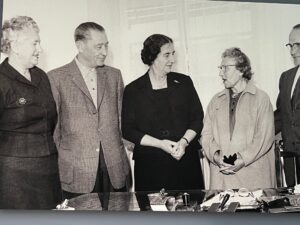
(162,105)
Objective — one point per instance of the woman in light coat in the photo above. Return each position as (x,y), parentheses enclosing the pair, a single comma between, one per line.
(238,133)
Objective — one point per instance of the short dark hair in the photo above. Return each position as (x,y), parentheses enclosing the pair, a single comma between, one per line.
(242,61)
(151,47)
(297,26)
(82,32)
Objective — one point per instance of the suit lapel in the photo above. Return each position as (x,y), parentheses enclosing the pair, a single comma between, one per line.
(101,84)
(290,81)
(173,83)
(78,80)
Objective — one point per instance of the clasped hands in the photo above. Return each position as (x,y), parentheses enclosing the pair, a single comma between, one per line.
(228,164)
(175,149)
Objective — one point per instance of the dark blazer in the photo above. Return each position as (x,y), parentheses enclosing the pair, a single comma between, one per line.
(287,118)
(27,113)
(29,176)
(139,115)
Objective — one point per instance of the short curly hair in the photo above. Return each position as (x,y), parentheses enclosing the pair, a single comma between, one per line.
(242,61)
(12,28)
(151,47)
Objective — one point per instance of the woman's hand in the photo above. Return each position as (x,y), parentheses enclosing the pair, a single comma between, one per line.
(129,146)
(168,146)
(232,169)
(180,150)
(218,158)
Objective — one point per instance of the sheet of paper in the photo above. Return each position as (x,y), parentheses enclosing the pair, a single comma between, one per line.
(244,201)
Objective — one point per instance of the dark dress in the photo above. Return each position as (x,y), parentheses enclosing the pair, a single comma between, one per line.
(29,177)
(163,114)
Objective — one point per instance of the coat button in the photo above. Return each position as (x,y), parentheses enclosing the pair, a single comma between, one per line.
(165,133)
(97,149)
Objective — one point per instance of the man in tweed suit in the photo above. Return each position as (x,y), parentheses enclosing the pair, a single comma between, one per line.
(88,96)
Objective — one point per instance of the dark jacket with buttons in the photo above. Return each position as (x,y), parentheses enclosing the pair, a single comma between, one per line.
(287,118)
(27,113)
(139,113)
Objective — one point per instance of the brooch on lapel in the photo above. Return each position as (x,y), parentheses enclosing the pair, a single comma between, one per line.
(22,101)
(176,81)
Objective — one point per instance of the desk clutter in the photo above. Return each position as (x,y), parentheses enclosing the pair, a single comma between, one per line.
(284,201)
(232,200)
(164,202)
(280,200)
(266,201)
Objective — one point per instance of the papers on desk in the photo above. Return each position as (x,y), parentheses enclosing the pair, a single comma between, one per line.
(64,206)
(297,189)
(158,202)
(248,202)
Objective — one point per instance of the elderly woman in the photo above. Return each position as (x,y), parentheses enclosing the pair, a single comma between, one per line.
(29,176)
(162,115)
(238,133)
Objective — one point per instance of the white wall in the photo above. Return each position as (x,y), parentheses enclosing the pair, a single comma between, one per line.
(261,30)
(57,21)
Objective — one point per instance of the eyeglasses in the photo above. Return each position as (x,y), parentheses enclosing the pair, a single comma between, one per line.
(242,192)
(224,67)
(294,45)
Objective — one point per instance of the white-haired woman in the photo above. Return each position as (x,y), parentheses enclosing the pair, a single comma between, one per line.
(29,177)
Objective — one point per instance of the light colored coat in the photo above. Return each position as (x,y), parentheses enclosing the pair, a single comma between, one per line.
(82,127)
(253,138)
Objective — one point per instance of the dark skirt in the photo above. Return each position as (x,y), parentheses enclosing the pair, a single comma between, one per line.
(153,174)
(29,183)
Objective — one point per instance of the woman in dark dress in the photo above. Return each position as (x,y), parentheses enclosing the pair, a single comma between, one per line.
(162,115)
(29,176)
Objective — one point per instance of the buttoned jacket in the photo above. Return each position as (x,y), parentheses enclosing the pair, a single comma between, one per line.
(27,113)
(287,118)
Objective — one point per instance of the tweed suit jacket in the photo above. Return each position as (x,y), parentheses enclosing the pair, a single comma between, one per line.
(82,127)
(287,118)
